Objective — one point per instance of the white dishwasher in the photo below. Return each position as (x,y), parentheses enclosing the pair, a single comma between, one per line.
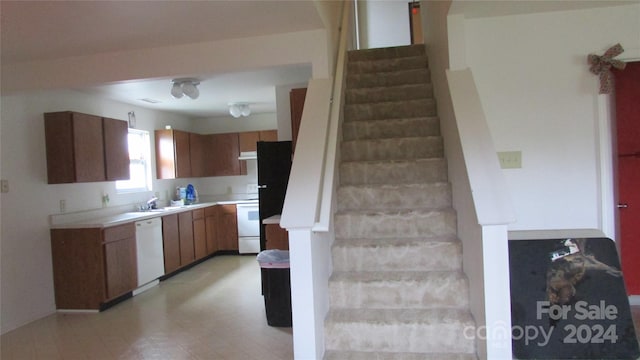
(150,252)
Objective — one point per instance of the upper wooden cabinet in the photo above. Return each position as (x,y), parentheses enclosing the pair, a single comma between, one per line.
(116,149)
(85,148)
(224,150)
(181,154)
(248,139)
(173,157)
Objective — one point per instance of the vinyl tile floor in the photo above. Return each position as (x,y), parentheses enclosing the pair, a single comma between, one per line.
(214,310)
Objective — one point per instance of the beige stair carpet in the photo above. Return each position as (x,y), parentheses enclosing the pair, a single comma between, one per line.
(397,290)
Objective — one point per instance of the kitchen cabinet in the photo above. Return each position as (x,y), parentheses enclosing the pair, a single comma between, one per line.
(92,266)
(276,237)
(173,157)
(248,139)
(224,150)
(185,227)
(85,148)
(199,234)
(120,259)
(227,227)
(171,243)
(211,226)
(116,149)
(198,154)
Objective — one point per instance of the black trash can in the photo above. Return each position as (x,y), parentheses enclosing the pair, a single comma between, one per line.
(276,286)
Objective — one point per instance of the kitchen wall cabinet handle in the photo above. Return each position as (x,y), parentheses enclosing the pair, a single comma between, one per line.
(623,206)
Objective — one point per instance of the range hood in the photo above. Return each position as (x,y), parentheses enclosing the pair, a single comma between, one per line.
(248,155)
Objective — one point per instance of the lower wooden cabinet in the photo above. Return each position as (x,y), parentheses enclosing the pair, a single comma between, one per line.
(211,225)
(120,259)
(185,227)
(227,227)
(276,237)
(171,243)
(199,234)
(92,266)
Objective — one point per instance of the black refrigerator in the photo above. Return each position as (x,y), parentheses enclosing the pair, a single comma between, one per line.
(274,166)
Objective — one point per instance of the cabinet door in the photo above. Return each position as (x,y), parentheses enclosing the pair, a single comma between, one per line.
(276,237)
(116,149)
(183,153)
(211,224)
(248,140)
(120,259)
(185,227)
(227,227)
(165,155)
(197,153)
(199,234)
(88,147)
(296,98)
(171,243)
(225,150)
(269,135)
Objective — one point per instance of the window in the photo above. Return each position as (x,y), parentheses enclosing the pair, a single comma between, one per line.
(140,164)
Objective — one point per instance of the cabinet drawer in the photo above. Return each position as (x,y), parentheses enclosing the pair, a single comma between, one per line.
(119,232)
(198,214)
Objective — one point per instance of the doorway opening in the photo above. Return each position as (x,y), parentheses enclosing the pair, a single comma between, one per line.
(415,23)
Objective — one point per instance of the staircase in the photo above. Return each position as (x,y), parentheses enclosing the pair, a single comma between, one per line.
(397,290)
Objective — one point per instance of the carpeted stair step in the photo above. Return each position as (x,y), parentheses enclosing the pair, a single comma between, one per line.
(387,65)
(385,129)
(393,149)
(386,53)
(365,355)
(390,110)
(394,197)
(398,289)
(389,93)
(390,224)
(393,171)
(391,78)
(400,330)
(397,254)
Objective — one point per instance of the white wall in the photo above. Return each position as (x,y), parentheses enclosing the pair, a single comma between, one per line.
(540,98)
(383,23)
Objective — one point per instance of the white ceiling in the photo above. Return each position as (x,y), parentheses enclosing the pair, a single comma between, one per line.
(46,30)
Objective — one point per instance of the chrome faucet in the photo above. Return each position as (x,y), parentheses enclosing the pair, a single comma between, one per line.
(152,203)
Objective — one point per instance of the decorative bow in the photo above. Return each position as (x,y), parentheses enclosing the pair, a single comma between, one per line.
(601,66)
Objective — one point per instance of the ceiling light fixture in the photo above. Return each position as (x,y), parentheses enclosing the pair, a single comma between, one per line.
(239,109)
(185,86)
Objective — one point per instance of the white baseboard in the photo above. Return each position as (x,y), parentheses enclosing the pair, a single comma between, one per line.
(634,300)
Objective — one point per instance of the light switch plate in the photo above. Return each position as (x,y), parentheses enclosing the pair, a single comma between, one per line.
(510,159)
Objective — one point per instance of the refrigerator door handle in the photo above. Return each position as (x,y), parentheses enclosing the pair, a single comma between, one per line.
(262,186)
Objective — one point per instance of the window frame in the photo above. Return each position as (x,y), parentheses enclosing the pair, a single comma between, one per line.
(143,159)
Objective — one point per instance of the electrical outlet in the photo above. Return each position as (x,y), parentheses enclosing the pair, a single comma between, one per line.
(510,159)
(63,206)
(252,188)
(4,186)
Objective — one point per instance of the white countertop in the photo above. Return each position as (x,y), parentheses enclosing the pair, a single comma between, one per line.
(123,218)
(275,219)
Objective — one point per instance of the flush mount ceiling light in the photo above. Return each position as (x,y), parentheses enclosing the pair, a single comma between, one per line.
(185,86)
(239,109)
